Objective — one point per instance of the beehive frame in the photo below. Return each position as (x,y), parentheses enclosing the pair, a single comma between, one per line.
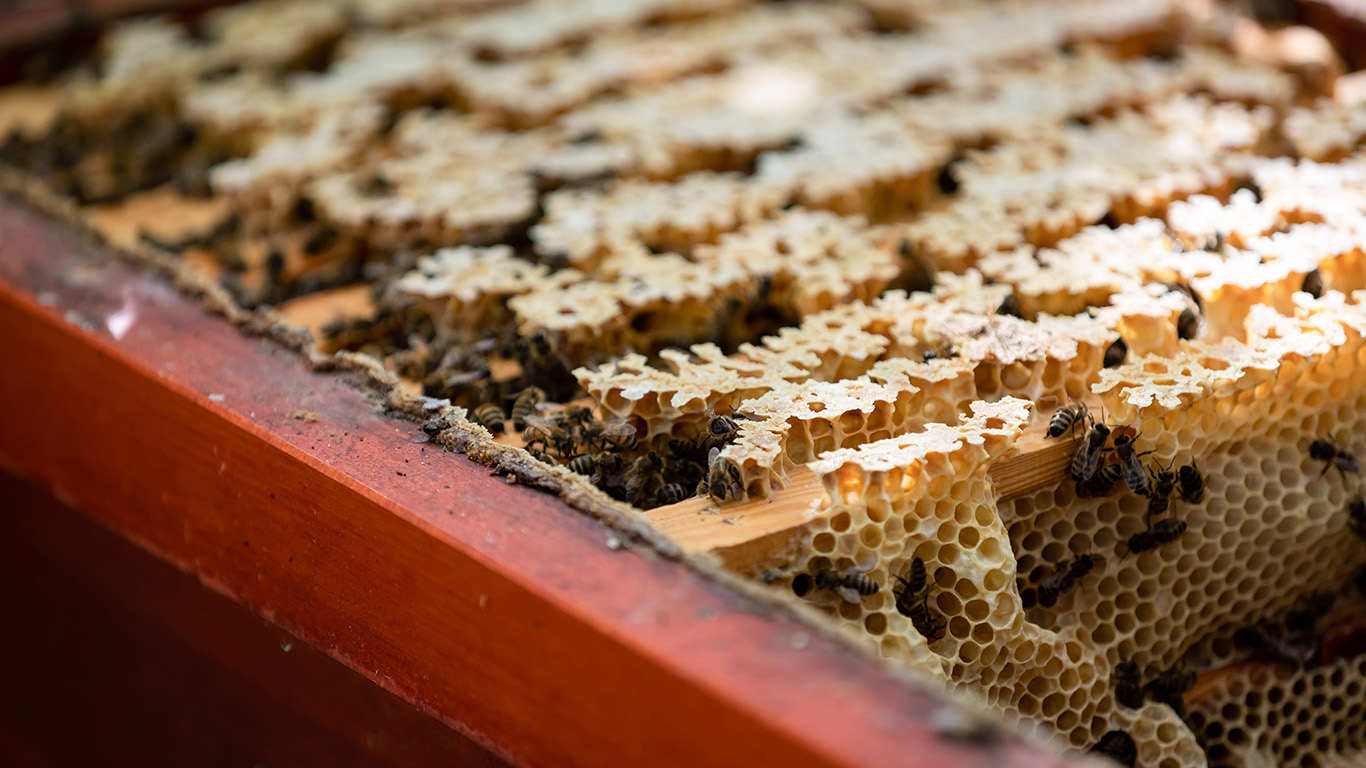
(1261,192)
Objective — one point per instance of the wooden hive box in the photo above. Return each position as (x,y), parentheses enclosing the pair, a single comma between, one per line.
(817,276)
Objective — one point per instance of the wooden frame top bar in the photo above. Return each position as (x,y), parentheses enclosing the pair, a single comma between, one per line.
(495,608)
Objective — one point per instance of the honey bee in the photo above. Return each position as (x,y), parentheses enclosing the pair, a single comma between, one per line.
(1064,578)
(852,585)
(723,477)
(684,471)
(273,287)
(1163,532)
(1313,283)
(547,367)
(1191,483)
(1308,610)
(610,463)
(489,415)
(1168,687)
(1116,353)
(1135,476)
(1118,746)
(1295,642)
(611,433)
(1128,686)
(721,430)
(1160,498)
(525,405)
(575,415)
(1101,483)
(549,433)
(673,493)
(1356,516)
(1157,505)
(1066,418)
(1334,457)
(688,450)
(1087,458)
(596,465)
(1291,651)
(585,464)
(913,584)
(534,435)
(647,478)
(461,387)
(1010,306)
(1187,324)
(912,600)
(436,425)
(1164,481)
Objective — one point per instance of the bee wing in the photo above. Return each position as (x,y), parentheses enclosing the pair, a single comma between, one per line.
(616,425)
(1092,464)
(712,454)
(544,423)
(1124,430)
(864,565)
(849,595)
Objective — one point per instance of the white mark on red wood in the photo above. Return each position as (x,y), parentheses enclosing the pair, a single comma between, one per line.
(121,321)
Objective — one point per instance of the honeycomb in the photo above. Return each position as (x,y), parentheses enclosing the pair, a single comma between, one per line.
(837,265)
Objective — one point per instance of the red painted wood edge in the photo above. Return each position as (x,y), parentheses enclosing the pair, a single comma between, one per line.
(180,676)
(495,608)
(36,20)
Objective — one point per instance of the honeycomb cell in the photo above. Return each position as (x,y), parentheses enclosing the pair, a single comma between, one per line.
(840,522)
(875,623)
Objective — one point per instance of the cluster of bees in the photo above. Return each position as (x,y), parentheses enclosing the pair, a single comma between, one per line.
(608,452)
(1166,688)
(912,593)
(106,163)
(1093,478)
(1105,457)
(1097,469)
